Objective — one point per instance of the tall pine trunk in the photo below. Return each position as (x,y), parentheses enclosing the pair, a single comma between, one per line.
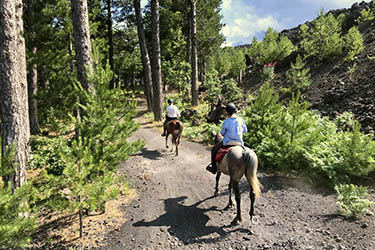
(14,111)
(82,42)
(194,55)
(32,77)
(33,91)
(145,57)
(110,42)
(156,61)
(189,37)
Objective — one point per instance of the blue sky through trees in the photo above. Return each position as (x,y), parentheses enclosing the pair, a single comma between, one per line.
(245,19)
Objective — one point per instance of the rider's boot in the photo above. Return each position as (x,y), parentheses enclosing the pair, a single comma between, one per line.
(164,129)
(212,168)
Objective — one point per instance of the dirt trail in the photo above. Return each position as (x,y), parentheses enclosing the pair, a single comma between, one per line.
(175,207)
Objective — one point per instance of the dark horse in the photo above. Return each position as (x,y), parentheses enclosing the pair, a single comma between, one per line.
(175,128)
(239,161)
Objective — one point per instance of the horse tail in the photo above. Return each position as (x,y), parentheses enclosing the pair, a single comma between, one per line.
(251,162)
(179,128)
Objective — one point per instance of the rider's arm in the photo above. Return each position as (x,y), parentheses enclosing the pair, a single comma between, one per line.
(244,128)
(223,128)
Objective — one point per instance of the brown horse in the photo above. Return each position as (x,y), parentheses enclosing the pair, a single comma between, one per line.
(175,128)
(239,161)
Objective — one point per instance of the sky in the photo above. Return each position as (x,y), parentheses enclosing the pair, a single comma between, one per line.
(245,19)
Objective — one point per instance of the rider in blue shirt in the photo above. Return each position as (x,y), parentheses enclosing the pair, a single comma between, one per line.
(232,129)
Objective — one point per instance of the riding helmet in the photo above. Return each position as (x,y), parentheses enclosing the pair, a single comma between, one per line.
(170,100)
(231,108)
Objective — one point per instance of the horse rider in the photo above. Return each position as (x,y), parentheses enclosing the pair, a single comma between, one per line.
(232,130)
(171,114)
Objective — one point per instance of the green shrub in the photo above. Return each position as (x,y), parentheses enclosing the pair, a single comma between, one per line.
(230,91)
(323,39)
(352,200)
(272,49)
(268,71)
(353,43)
(16,222)
(367,15)
(212,85)
(298,75)
(46,153)
(357,151)
(177,74)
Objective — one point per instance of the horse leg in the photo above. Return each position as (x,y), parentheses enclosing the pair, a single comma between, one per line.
(230,203)
(166,140)
(252,201)
(173,142)
(177,143)
(217,183)
(237,194)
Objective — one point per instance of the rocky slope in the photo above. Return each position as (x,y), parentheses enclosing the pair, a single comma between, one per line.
(334,89)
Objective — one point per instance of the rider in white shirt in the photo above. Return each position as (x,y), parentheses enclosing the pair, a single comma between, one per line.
(171,114)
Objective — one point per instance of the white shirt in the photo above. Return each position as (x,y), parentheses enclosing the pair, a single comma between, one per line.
(172,111)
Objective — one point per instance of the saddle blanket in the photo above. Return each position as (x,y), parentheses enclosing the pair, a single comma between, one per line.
(220,155)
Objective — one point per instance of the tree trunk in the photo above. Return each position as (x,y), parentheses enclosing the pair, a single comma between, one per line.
(189,37)
(156,61)
(32,79)
(194,56)
(33,91)
(110,42)
(145,57)
(82,42)
(14,111)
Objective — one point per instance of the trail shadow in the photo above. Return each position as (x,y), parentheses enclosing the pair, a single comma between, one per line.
(141,113)
(187,222)
(151,154)
(276,182)
(341,218)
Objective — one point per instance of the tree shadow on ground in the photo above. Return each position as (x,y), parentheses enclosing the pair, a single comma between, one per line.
(151,154)
(43,239)
(188,222)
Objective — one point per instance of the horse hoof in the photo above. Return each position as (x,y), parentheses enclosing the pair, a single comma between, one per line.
(236,221)
(254,220)
(229,206)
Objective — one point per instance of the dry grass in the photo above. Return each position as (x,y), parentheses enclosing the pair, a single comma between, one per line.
(61,231)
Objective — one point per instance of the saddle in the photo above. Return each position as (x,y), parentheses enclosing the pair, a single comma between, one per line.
(224,150)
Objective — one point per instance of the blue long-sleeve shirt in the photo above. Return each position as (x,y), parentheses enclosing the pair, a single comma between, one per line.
(233,129)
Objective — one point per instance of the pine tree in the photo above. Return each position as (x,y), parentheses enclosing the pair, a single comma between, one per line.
(323,39)
(90,172)
(357,151)
(353,43)
(299,75)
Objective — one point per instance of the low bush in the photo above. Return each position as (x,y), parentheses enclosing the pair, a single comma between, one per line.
(352,200)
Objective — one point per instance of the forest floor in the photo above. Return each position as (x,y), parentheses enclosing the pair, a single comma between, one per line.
(171,206)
